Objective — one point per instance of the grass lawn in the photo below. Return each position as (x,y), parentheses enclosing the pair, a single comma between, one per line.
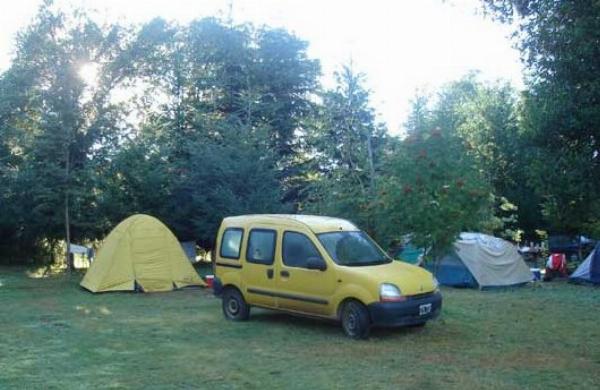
(55,335)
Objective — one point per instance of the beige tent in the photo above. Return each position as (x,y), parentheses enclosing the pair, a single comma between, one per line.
(479,260)
(141,250)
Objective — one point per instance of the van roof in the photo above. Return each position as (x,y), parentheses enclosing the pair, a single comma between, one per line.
(316,223)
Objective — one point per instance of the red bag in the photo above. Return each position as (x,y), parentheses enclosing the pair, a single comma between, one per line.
(559,262)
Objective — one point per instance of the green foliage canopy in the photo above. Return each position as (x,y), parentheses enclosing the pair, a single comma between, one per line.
(559,41)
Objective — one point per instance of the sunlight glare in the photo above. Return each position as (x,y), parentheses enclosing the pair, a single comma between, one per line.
(89,73)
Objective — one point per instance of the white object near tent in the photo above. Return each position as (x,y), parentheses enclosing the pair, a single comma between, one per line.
(86,253)
(79,249)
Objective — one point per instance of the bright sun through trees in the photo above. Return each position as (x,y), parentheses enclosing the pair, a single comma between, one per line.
(89,72)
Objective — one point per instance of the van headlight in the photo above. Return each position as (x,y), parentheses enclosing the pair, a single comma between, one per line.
(390,293)
(436,284)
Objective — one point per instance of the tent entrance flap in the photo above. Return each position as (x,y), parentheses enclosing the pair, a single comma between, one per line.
(451,271)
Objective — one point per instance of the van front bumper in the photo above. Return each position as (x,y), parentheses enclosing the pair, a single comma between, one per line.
(409,312)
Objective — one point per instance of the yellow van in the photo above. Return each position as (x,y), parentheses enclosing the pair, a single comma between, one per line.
(321,267)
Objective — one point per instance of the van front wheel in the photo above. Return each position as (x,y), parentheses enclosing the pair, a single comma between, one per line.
(235,307)
(355,320)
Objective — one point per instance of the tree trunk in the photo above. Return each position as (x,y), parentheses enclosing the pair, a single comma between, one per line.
(69,258)
(371,164)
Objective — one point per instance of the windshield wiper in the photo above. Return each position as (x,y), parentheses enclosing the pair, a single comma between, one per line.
(367,263)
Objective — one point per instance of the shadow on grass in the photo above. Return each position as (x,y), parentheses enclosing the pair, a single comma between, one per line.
(292,320)
(323,326)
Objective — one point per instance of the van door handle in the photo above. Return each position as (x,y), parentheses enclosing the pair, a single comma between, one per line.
(270,273)
(285,274)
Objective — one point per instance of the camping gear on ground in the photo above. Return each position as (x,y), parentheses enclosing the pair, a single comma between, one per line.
(537,273)
(209,280)
(480,260)
(141,252)
(531,253)
(556,266)
(589,270)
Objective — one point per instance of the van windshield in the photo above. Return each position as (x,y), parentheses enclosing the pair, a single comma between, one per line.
(352,249)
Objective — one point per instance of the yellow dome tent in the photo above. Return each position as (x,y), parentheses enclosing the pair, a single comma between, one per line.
(140,249)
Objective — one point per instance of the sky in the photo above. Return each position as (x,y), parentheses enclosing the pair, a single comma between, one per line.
(402,46)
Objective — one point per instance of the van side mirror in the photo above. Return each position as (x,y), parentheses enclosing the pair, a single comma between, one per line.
(316,263)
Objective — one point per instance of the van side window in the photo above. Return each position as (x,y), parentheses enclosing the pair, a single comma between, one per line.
(231,243)
(297,249)
(261,246)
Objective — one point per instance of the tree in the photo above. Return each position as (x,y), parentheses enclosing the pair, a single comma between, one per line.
(486,117)
(347,145)
(559,43)
(222,106)
(434,188)
(55,122)
(209,108)
(237,177)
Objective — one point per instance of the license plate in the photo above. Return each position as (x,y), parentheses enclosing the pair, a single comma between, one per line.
(424,309)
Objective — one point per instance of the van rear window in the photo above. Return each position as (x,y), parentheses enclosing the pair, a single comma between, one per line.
(231,243)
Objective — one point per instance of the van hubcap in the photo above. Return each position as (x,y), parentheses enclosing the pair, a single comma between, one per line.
(233,306)
(351,322)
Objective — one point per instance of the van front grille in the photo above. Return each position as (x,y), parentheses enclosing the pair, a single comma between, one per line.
(420,296)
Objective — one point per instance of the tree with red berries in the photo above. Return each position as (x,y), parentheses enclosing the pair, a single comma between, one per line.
(434,188)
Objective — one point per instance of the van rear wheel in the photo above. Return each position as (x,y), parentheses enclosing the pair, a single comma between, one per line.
(234,306)
(355,320)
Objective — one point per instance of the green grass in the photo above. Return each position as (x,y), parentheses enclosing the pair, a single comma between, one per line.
(55,335)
